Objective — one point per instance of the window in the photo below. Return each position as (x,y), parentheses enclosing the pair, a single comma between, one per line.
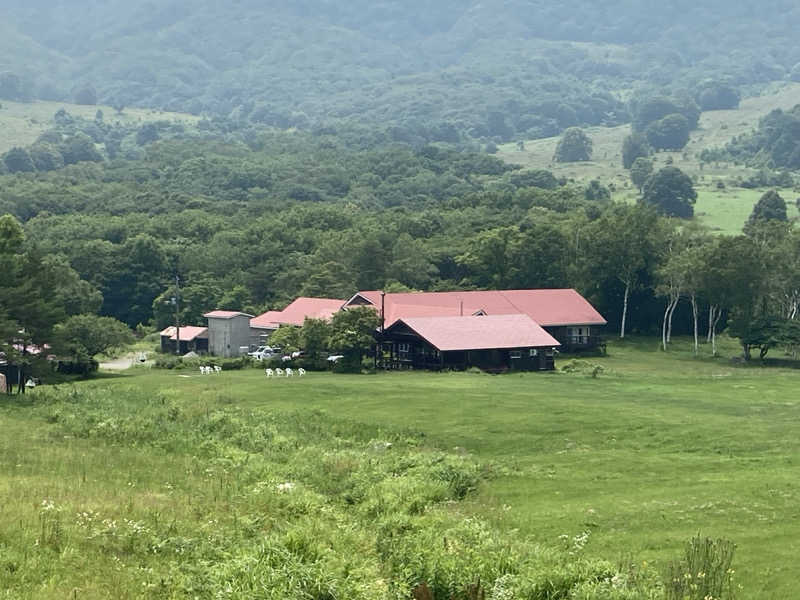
(404,348)
(516,354)
(534,352)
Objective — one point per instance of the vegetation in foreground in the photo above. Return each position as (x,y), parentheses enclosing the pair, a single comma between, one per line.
(560,475)
(151,496)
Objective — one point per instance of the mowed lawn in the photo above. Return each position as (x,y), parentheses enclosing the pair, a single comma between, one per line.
(653,451)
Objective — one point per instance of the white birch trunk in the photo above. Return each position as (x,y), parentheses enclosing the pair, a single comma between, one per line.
(671,314)
(624,310)
(718,314)
(694,318)
(710,322)
(664,327)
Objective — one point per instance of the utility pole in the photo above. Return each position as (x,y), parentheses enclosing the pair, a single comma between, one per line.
(177,315)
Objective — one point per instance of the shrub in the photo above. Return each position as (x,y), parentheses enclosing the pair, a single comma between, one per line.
(703,572)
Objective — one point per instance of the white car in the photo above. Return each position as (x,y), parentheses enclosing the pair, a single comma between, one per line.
(262,353)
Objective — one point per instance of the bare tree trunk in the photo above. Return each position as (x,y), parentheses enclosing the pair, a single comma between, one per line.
(718,314)
(624,310)
(694,317)
(671,314)
(666,326)
(711,310)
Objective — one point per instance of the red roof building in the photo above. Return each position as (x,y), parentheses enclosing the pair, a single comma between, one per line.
(564,313)
(448,334)
(549,308)
(192,339)
(297,312)
(499,342)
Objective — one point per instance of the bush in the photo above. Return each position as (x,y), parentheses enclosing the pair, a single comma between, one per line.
(169,361)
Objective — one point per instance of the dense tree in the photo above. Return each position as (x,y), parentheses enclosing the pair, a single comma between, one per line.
(770,207)
(641,170)
(86,94)
(574,146)
(716,95)
(46,157)
(18,160)
(597,192)
(353,334)
(623,246)
(635,146)
(89,335)
(314,338)
(669,133)
(671,192)
(79,148)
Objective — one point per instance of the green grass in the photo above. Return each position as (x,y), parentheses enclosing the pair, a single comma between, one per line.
(22,123)
(657,449)
(724,211)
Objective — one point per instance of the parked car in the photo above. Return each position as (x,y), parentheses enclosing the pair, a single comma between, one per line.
(262,353)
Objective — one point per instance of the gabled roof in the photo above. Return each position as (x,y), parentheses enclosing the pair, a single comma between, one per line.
(188,333)
(269,320)
(298,311)
(448,334)
(225,314)
(549,308)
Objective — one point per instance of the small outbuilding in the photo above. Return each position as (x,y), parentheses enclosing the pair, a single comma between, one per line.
(490,342)
(228,333)
(193,339)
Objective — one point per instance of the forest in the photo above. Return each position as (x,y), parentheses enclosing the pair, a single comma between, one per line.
(451,71)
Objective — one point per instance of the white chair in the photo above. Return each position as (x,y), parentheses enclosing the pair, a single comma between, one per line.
(278,372)
(202,370)
(269,372)
(301,372)
(217,369)
(289,373)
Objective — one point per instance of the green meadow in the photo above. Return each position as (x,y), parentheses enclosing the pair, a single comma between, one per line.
(632,463)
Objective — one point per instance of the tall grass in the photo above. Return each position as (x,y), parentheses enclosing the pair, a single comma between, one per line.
(155,495)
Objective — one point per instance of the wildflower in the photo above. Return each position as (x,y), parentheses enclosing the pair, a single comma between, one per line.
(285,487)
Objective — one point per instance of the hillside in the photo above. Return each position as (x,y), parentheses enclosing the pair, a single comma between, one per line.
(445,69)
(22,123)
(724,210)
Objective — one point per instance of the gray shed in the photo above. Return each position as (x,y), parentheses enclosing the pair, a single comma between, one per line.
(228,333)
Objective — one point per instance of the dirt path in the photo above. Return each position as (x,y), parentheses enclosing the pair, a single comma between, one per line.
(122,363)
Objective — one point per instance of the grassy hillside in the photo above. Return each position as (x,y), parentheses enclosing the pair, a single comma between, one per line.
(722,210)
(21,123)
(655,450)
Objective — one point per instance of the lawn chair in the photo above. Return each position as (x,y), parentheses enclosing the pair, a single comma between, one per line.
(278,372)
(217,369)
(301,372)
(289,372)
(269,372)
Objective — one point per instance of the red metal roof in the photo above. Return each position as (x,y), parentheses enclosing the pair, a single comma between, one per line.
(298,311)
(225,314)
(549,308)
(480,333)
(188,333)
(269,320)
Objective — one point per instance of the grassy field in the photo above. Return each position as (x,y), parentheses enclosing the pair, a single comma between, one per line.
(723,210)
(657,449)
(22,123)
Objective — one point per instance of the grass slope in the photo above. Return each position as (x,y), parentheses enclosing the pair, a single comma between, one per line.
(722,210)
(659,448)
(21,123)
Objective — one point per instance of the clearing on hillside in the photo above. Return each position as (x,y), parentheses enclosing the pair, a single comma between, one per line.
(21,123)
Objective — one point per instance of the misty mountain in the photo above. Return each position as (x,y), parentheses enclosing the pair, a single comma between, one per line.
(491,68)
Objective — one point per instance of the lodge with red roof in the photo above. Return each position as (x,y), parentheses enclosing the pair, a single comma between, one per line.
(496,329)
(480,327)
